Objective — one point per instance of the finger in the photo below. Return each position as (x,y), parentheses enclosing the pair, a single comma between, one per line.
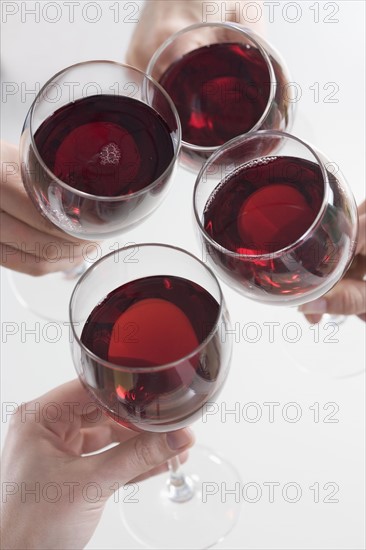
(59,410)
(348,297)
(15,200)
(95,439)
(19,235)
(139,455)
(94,417)
(362,208)
(357,269)
(101,435)
(361,241)
(313,318)
(27,263)
(73,403)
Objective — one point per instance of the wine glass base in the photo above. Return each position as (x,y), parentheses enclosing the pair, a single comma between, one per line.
(47,296)
(326,349)
(201,522)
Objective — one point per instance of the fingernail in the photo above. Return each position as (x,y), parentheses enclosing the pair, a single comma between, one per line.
(179,439)
(314,318)
(318,306)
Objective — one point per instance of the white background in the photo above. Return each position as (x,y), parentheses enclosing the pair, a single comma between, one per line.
(304,452)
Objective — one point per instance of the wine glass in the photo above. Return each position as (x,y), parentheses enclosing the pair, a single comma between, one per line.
(225,80)
(278,223)
(97,158)
(152,345)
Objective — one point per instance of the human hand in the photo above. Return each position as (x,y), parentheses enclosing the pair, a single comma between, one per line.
(44,450)
(348,297)
(160,19)
(29,243)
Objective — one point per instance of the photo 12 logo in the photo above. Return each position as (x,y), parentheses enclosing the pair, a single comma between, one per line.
(70,12)
(67,491)
(270,491)
(271,412)
(270,12)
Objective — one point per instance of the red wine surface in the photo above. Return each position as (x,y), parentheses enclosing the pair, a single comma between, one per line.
(265,206)
(258,212)
(220,91)
(106,145)
(151,322)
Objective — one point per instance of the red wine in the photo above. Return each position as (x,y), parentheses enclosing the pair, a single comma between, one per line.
(106,145)
(220,91)
(262,208)
(145,323)
(265,205)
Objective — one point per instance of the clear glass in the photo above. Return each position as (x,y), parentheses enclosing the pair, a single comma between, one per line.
(177,502)
(80,214)
(279,111)
(301,272)
(75,212)
(307,268)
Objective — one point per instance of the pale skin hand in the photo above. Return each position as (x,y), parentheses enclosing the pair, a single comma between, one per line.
(348,297)
(162,18)
(25,235)
(45,451)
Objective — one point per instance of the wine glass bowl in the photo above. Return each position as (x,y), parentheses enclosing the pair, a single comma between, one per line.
(138,391)
(276,221)
(113,160)
(225,80)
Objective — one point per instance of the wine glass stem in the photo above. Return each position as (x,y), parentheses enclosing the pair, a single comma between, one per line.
(180,487)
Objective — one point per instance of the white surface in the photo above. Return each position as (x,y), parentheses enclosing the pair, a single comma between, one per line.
(304,452)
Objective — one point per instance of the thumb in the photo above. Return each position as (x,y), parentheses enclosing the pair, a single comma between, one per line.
(361,241)
(347,298)
(139,455)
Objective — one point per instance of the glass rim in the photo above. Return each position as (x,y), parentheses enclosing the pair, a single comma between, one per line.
(90,196)
(246,32)
(156,368)
(295,244)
